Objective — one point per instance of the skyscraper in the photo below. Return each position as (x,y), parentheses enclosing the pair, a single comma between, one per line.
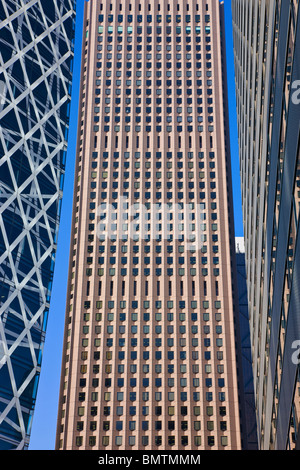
(36,51)
(267,53)
(249,423)
(149,357)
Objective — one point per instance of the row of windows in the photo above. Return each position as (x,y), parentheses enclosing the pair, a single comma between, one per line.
(146,354)
(119,409)
(147,165)
(158,271)
(145,382)
(158,155)
(148,40)
(157,440)
(158,304)
(158,84)
(119,382)
(148,119)
(145,369)
(159,48)
(157,330)
(146,260)
(149,65)
(146,329)
(158,196)
(170,368)
(145,411)
(148,128)
(147,175)
(148,101)
(146,343)
(158,40)
(148,30)
(133,396)
(184,425)
(178,6)
(158,185)
(158,175)
(158,260)
(158,355)
(147,248)
(182,342)
(166,211)
(157,343)
(179,18)
(159,57)
(139,55)
(148,49)
(133,355)
(158,118)
(148,110)
(157,425)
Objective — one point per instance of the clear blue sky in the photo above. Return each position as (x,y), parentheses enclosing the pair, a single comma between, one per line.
(45,416)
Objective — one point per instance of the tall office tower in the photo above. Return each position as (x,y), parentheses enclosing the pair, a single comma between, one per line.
(245,348)
(149,358)
(267,53)
(36,51)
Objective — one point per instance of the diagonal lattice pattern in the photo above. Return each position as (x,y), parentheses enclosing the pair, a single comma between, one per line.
(36,56)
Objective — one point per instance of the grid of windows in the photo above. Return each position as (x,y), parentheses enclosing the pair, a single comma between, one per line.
(152,357)
(178,73)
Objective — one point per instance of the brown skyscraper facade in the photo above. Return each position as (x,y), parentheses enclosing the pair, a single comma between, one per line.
(149,357)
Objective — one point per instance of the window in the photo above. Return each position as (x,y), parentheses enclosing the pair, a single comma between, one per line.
(131,440)
(210,425)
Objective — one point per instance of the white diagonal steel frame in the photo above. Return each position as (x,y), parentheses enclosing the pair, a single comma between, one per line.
(28,200)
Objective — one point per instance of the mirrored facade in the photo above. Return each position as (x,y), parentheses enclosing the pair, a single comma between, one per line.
(267,67)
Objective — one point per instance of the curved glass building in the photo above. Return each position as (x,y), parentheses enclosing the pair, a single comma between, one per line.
(36,56)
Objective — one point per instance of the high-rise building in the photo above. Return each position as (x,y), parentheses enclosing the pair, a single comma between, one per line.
(249,423)
(267,53)
(36,52)
(149,356)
